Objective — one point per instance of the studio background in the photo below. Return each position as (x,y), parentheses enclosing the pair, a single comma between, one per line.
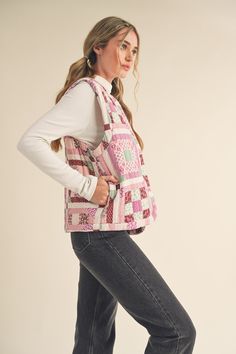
(185,112)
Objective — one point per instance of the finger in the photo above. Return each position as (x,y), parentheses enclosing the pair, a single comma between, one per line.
(111,178)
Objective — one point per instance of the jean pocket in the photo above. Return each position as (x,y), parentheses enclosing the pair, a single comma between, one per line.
(80,241)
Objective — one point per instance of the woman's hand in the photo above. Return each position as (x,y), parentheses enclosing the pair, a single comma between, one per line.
(102,189)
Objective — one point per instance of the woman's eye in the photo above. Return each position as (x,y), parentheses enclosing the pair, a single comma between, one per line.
(123,45)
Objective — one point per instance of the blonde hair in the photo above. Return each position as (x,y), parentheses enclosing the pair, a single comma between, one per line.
(99,35)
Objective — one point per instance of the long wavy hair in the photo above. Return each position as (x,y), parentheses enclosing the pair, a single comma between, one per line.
(99,35)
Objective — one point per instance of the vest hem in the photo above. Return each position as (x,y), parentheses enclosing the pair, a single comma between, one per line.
(110,227)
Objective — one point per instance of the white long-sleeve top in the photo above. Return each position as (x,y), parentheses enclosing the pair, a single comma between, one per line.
(76,114)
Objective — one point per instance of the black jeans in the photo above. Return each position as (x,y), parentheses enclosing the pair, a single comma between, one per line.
(114,269)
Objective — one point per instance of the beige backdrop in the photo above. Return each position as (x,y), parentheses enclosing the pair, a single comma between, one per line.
(186,116)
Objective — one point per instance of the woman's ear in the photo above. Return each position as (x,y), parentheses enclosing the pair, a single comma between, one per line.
(97,50)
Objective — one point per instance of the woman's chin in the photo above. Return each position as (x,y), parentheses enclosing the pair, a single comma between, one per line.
(123,74)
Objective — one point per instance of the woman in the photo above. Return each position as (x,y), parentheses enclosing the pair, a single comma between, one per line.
(107,197)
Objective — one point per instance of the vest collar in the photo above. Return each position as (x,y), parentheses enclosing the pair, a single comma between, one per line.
(104,82)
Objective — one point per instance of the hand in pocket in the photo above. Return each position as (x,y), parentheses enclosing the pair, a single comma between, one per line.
(102,189)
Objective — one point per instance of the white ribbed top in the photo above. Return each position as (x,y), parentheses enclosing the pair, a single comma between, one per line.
(76,114)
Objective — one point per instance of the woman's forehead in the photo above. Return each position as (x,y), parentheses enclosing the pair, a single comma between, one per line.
(121,36)
(121,33)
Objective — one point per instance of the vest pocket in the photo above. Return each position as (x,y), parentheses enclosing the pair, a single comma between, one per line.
(112,190)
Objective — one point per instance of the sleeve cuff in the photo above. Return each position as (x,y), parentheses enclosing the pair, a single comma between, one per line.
(91,184)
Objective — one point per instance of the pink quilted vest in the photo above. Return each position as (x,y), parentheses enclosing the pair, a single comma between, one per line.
(130,205)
